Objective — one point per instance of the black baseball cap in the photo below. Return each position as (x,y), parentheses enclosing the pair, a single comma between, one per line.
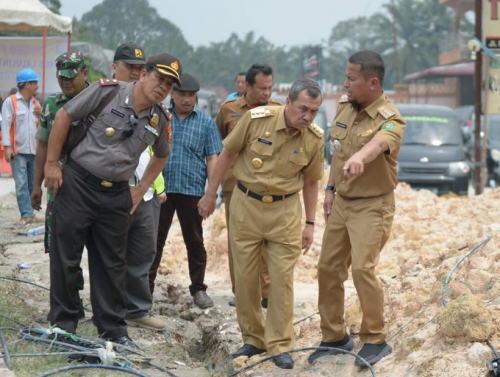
(130,53)
(189,84)
(166,65)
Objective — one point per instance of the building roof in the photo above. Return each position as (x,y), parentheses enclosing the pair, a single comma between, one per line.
(452,70)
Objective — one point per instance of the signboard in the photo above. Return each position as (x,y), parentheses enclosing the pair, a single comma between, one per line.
(17,53)
(311,58)
(491,23)
(493,82)
(491,30)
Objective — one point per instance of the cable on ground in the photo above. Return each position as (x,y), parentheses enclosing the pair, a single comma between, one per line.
(93,366)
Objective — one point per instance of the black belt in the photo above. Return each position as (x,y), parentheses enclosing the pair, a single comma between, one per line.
(263,198)
(96,180)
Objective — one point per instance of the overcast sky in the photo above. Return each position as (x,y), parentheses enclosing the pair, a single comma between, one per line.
(282,22)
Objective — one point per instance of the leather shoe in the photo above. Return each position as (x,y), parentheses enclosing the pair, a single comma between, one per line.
(372,353)
(247,350)
(346,344)
(124,341)
(202,300)
(283,361)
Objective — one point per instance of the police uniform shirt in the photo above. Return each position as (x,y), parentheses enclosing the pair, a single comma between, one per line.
(270,160)
(353,130)
(228,116)
(105,151)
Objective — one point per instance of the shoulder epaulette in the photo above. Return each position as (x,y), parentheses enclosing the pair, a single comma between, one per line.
(385,112)
(344,98)
(275,102)
(316,130)
(165,111)
(108,82)
(260,112)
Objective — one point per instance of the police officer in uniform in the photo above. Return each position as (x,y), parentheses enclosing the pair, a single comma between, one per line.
(359,206)
(259,84)
(279,152)
(94,200)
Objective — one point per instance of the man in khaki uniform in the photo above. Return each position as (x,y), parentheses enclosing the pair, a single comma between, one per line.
(259,84)
(367,133)
(278,151)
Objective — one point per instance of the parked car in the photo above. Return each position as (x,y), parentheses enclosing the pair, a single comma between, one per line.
(432,151)
(493,148)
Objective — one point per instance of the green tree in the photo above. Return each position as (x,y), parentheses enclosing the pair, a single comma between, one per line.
(114,22)
(53,5)
(420,25)
(81,32)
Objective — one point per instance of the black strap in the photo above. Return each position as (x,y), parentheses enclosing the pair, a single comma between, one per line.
(78,132)
(102,105)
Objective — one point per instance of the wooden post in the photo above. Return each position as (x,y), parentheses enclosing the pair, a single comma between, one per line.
(44,54)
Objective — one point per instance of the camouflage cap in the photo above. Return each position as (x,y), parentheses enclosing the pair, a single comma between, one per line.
(69,64)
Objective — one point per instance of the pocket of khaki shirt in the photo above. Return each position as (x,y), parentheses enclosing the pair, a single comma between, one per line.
(262,149)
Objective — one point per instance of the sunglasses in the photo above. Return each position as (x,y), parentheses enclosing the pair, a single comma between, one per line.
(129,130)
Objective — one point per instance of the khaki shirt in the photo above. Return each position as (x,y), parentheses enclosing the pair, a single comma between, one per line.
(228,116)
(110,155)
(262,138)
(354,130)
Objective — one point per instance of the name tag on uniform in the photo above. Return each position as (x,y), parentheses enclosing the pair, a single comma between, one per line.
(341,125)
(265,141)
(235,114)
(116,112)
(152,130)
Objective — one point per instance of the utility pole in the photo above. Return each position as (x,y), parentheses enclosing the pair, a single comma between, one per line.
(478,78)
(395,42)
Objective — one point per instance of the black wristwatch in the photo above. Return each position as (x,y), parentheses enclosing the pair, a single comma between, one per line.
(330,188)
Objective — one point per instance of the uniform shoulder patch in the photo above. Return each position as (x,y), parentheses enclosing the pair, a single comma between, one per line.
(108,82)
(316,130)
(165,111)
(385,112)
(344,98)
(260,112)
(388,126)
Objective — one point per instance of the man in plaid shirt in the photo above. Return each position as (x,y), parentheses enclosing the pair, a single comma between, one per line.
(196,143)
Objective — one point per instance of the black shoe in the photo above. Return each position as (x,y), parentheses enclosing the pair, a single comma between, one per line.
(202,300)
(264,302)
(283,361)
(232,302)
(125,341)
(247,350)
(346,344)
(372,353)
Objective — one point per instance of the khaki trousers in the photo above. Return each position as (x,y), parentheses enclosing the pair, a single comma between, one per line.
(264,272)
(277,224)
(356,232)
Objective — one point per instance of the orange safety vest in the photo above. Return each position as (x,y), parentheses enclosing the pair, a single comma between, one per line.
(13,125)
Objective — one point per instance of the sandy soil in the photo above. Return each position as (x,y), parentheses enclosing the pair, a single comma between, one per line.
(430,234)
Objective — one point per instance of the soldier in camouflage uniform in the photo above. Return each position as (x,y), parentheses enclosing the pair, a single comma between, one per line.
(72,78)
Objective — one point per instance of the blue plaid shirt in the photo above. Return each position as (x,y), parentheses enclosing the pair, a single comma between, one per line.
(193,139)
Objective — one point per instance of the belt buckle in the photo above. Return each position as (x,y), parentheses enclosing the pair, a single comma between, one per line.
(107,184)
(267,199)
